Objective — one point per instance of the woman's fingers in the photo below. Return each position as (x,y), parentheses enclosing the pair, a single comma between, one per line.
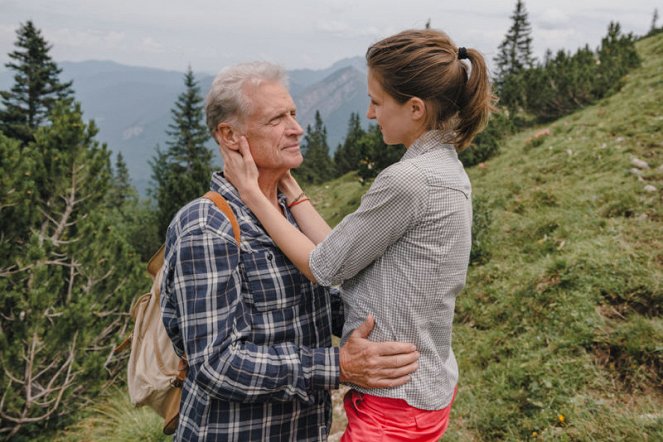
(244,147)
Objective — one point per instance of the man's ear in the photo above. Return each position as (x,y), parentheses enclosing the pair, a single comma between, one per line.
(227,135)
(417,108)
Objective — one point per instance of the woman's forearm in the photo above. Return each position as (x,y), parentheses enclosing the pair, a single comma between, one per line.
(293,243)
(309,220)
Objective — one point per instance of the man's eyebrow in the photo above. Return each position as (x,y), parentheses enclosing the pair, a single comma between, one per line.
(279,112)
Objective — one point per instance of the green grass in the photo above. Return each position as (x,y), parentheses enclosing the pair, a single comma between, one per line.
(564,319)
(115,419)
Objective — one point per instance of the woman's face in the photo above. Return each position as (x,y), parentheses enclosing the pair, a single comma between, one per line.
(394,119)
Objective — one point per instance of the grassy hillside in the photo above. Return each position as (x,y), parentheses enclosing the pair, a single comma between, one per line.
(559,335)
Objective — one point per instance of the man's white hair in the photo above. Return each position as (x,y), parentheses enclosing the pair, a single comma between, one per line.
(226,100)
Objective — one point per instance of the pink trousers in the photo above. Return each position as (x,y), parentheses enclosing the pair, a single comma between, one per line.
(373,418)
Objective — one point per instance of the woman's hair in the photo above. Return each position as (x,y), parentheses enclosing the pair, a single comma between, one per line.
(427,64)
(226,99)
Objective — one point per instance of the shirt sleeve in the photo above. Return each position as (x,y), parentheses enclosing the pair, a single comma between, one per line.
(337,310)
(393,204)
(204,286)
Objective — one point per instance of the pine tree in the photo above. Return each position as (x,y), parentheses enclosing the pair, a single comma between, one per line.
(617,55)
(317,166)
(36,86)
(183,171)
(122,191)
(347,156)
(514,56)
(515,51)
(654,23)
(68,279)
(18,189)
(567,82)
(137,217)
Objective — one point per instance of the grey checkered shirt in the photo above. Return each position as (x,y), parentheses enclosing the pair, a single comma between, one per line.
(403,257)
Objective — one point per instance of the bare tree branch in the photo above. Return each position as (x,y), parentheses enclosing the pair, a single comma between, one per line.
(44,401)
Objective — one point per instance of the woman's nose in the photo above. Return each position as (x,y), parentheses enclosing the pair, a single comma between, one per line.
(370,113)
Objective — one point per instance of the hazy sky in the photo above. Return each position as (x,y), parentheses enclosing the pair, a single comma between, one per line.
(211,34)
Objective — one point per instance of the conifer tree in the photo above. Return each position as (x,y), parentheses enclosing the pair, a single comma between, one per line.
(567,82)
(347,156)
(317,166)
(375,154)
(136,216)
(18,189)
(514,56)
(515,51)
(122,191)
(182,172)
(617,55)
(36,86)
(654,23)
(68,279)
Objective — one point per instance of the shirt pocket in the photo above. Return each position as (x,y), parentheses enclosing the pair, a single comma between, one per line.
(272,281)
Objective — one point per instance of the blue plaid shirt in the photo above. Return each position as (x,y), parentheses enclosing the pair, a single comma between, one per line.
(256,332)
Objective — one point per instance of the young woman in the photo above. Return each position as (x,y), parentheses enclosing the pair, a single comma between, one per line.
(402,257)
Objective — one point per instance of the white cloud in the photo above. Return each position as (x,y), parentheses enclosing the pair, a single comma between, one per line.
(552,19)
(149,44)
(87,38)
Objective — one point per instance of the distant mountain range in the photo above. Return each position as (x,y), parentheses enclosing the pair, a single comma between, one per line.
(132,105)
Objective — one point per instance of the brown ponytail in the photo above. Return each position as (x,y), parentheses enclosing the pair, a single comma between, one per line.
(426,64)
(476,102)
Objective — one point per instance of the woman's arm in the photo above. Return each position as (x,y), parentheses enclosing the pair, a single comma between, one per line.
(240,169)
(308,219)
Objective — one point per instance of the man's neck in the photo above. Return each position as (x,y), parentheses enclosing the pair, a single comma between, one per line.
(268,181)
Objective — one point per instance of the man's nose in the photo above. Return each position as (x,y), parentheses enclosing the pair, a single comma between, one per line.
(294,127)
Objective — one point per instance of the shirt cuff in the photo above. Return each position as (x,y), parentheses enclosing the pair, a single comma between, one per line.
(326,369)
(318,268)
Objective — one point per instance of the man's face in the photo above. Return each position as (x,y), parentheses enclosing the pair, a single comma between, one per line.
(271,128)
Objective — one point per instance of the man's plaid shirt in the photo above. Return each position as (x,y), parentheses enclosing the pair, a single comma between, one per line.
(256,332)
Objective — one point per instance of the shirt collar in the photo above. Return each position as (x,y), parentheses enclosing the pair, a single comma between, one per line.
(221,185)
(426,142)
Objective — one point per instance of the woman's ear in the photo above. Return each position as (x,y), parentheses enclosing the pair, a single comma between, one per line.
(417,108)
(227,136)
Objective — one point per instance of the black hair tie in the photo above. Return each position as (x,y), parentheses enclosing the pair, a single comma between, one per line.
(462,53)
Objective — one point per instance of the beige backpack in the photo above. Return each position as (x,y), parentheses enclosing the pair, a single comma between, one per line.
(155,373)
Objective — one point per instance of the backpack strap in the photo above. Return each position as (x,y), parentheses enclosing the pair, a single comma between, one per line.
(156,261)
(223,206)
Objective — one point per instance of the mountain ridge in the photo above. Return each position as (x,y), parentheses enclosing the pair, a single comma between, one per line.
(131,105)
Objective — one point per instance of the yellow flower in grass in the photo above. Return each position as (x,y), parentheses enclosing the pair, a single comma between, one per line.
(561,418)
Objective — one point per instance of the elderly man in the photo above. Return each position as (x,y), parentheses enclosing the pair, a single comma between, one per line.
(256,332)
